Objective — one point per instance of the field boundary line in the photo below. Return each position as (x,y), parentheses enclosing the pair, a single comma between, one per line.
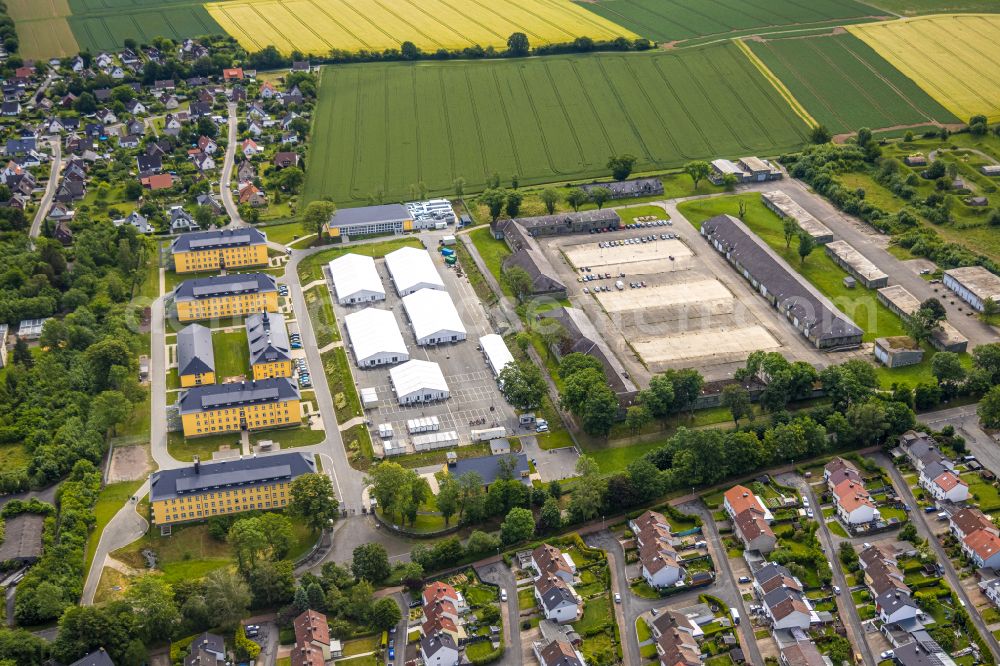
(619,98)
(404,21)
(447,124)
(656,111)
(298,19)
(565,114)
(679,105)
(344,28)
(860,91)
(588,17)
(590,103)
(782,89)
(506,118)
(470,19)
(366,19)
(527,30)
(913,105)
(479,126)
(439,22)
(538,120)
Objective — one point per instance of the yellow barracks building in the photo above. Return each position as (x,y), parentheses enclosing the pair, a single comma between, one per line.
(203,490)
(195,356)
(257,405)
(270,349)
(220,249)
(226,296)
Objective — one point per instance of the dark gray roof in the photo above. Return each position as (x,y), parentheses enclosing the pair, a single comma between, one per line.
(206,650)
(488,467)
(792,292)
(96,658)
(771,570)
(607,215)
(213,396)
(219,238)
(892,600)
(221,285)
(268,338)
(195,354)
(430,645)
(23,538)
(149,163)
(934,469)
(919,653)
(556,595)
(639,187)
(172,483)
(368,214)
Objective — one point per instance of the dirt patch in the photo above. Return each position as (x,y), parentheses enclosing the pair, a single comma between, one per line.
(128,463)
(952,127)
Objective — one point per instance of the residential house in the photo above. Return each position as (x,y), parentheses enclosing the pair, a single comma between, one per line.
(206,650)
(211,202)
(738,499)
(438,590)
(70,190)
(245,172)
(558,653)
(983,549)
(207,145)
(312,631)
(149,164)
(558,600)
(136,108)
(550,561)
(159,181)
(750,518)
(838,470)
(256,128)
(200,109)
(137,220)
(661,567)
(10,109)
(203,161)
(107,116)
(63,233)
(788,609)
(286,159)
(895,606)
(968,520)
(991,589)
(439,650)
(232,74)
(942,483)
(249,148)
(854,505)
(96,658)
(881,572)
(181,221)
(172,124)
(249,194)
(801,653)
(130,141)
(195,356)
(60,211)
(921,653)
(268,91)
(921,449)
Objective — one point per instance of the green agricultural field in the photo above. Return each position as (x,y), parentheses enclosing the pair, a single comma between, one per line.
(386,128)
(823,71)
(681,20)
(914,7)
(103,24)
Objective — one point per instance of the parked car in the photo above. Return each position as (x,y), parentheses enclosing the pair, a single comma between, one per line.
(618,598)
(744,579)
(503,595)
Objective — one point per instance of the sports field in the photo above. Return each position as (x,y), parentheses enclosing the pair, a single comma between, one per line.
(382,128)
(675,20)
(824,71)
(952,57)
(316,26)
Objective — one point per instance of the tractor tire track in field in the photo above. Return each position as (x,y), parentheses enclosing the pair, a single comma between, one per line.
(479,125)
(565,113)
(585,16)
(885,80)
(807,85)
(253,7)
(886,116)
(742,100)
(955,54)
(593,109)
(538,120)
(319,37)
(369,21)
(441,23)
(710,147)
(506,117)
(416,114)
(656,111)
(503,18)
(625,113)
(779,105)
(704,93)
(452,169)
(547,22)
(246,34)
(322,10)
(416,29)
(470,19)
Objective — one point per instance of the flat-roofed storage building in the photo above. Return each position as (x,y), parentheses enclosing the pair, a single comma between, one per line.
(810,312)
(356,280)
(412,269)
(496,352)
(944,338)
(433,316)
(368,220)
(974,285)
(375,338)
(855,263)
(785,206)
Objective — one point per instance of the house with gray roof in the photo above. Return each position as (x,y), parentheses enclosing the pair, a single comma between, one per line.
(96,658)
(489,467)
(195,356)
(224,285)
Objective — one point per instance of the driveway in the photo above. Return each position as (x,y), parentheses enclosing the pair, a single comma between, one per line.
(553,464)
(919,520)
(501,575)
(50,189)
(225,185)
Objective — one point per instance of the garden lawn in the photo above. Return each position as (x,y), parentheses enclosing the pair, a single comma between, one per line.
(112,498)
(232,354)
(320,307)
(526,598)
(860,305)
(284,233)
(552,119)
(345,394)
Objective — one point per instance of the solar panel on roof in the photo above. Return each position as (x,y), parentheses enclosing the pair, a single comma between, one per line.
(202,481)
(239,396)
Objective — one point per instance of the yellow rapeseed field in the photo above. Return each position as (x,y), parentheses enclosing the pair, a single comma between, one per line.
(317,26)
(951,56)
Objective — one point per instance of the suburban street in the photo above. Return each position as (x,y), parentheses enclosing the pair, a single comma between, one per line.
(501,575)
(966,423)
(846,609)
(919,520)
(225,187)
(50,189)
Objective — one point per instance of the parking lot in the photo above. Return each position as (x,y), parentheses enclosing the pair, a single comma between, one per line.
(475,401)
(663,300)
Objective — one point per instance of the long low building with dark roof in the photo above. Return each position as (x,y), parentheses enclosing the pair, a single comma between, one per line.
(219,249)
(226,296)
(811,313)
(256,405)
(202,490)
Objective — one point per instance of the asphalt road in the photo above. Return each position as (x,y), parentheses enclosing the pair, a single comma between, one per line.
(920,521)
(500,574)
(50,189)
(225,189)
(966,423)
(845,603)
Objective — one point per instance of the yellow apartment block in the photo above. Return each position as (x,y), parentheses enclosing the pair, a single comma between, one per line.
(195,356)
(270,349)
(220,249)
(226,296)
(203,490)
(256,405)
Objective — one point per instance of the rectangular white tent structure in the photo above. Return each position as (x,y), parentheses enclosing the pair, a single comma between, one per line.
(412,269)
(496,352)
(369,397)
(391,448)
(424,424)
(356,280)
(435,440)
(433,316)
(418,381)
(375,338)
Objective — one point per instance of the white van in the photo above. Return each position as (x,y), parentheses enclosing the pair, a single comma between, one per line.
(736,616)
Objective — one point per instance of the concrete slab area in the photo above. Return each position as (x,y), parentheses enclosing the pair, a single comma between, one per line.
(591,254)
(701,294)
(705,346)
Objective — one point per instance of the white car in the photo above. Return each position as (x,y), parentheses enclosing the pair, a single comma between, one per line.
(836,589)
(888,654)
(805,502)
(503,595)
(618,598)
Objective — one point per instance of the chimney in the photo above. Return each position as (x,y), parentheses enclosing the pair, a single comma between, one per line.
(197,465)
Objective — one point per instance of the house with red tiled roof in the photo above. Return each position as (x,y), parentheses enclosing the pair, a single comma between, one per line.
(969,520)
(232,74)
(753,530)
(440,591)
(983,548)
(738,499)
(158,181)
(942,483)
(550,561)
(854,505)
(312,633)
